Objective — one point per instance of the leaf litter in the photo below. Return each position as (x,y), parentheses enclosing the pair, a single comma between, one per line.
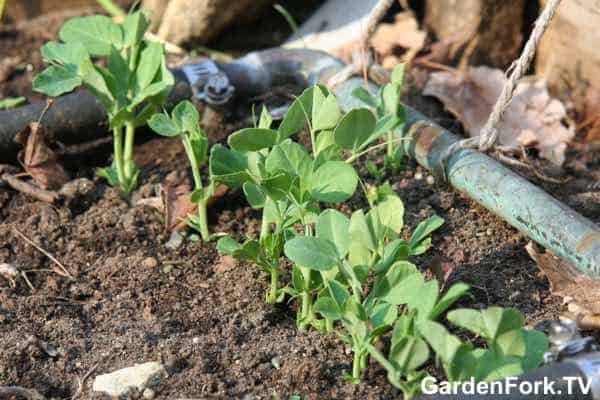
(532,119)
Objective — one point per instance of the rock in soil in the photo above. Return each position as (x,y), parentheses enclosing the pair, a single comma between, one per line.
(139,377)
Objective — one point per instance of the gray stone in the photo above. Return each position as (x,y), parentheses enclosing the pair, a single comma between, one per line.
(139,377)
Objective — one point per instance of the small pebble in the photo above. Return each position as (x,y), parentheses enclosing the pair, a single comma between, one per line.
(148,394)
(150,262)
(276,362)
(196,340)
(430,180)
(418,176)
(167,269)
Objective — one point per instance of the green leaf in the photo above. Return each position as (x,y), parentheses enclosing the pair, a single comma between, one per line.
(186,116)
(311,252)
(397,77)
(11,102)
(354,128)
(134,28)
(409,353)
(119,69)
(338,293)
(332,225)
(97,33)
(266,120)
(228,166)
(163,125)
(295,118)
(334,182)
(384,284)
(360,231)
(255,196)
(407,290)
(451,296)
(418,240)
(151,57)
(54,81)
(396,250)
(252,139)
(441,341)
(228,245)
(68,55)
(383,315)
(327,307)
(390,96)
(365,96)
(289,157)
(489,323)
(326,113)
(94,80)
(197,195)
(388,214)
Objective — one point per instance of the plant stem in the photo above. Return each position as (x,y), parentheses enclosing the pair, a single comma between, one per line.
(203,220)
(390,144)
(272,298)
(128,151)
(305,310)
(112,8)
(202,217)
(356,366)
(393,373)
(118,150)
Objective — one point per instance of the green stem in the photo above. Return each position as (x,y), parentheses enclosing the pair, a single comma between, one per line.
(305,310)
(112,8)
(128,150)
(393,373)
(355,156)
(203,220)
(390,144)
(356,366)
(272,298)
(118,152)
(328,325)
(202,215)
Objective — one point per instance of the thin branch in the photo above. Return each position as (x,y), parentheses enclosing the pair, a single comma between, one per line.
(61,270)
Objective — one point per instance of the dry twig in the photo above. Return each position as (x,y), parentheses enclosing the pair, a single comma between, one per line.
(48,196)
(61,270)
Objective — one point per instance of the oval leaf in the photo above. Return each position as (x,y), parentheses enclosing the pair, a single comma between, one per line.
(163,125)
(332,225)
(252,139)
(311,252)
(354,128)
(334,182)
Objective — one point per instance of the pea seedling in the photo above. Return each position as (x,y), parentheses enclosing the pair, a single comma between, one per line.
(133,85)
(390,114)
(184,122)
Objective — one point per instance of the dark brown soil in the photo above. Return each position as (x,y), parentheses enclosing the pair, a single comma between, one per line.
(134,300)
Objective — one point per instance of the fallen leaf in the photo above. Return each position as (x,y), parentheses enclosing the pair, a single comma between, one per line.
(176,205)
(581,293)
(532,119)
(442,270)
(399,41)
(225,263)
(38,159)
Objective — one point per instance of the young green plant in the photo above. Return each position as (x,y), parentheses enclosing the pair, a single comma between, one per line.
(184,122)
(388,108)
(347,252)
(134,84)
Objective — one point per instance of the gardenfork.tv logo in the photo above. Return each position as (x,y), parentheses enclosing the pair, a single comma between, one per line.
(508,386)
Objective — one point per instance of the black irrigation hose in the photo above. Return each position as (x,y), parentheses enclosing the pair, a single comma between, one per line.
(79,117)
(73,118)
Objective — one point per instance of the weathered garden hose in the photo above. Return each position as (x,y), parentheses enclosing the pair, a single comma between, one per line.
(522,204)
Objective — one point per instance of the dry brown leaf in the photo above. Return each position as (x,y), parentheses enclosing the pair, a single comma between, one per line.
(581,293)
(532,119)
(38,159)
(176,205)
(225,263)
(399,41)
